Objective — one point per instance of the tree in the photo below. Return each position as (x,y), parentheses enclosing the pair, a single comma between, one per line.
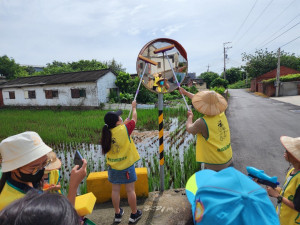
(10,69)
(264,61)
(208,77)
(57,67)
(233,75)
(117,67)
(219,82)
(125,83)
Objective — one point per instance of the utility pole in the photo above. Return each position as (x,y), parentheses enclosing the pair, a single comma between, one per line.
(225,56)
(208,68)
(278,73)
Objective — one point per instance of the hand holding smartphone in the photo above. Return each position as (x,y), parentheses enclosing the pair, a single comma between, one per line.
(78,159)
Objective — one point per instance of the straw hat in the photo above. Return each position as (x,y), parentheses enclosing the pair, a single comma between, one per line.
(209,103)
(54,164)
(292,145)
(22,149)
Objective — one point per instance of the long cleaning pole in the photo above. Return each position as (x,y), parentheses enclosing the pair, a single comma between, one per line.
(137,91)
(178,84)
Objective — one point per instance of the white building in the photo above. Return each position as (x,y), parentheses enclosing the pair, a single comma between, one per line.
(87,88)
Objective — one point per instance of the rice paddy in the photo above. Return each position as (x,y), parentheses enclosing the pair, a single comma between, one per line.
(68,131)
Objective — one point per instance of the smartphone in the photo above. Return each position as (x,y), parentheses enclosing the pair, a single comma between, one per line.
(78,159)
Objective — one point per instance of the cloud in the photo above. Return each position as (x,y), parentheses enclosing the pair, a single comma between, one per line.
(40,31)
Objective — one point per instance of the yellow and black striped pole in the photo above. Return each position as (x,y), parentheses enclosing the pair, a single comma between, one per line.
(161,140)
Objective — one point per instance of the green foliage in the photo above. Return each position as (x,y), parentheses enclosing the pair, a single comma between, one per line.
(264,61)
(126,97)
(239,84)
(233,75)
(286,78)
(10,69)
(57,67)
(113,97)
(219,82)
(145,96)
(219,90)
(208,77)
(125,83)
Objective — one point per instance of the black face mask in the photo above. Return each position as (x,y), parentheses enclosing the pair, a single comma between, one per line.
(36,178)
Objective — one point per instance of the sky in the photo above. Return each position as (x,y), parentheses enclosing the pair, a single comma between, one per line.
(37,32)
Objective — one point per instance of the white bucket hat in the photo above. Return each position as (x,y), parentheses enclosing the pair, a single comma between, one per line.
(22,149)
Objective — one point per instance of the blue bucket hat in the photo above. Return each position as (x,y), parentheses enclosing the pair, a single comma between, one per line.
(228,197)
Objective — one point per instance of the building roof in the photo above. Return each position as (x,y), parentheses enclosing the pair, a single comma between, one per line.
(2,79)
(272,74)
(62,78)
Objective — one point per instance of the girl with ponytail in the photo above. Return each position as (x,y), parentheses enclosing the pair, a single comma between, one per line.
(121,154)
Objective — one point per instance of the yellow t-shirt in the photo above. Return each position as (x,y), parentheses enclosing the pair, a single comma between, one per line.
(122,153)
(9,194)
(288,216)
(216,149)
(156,79)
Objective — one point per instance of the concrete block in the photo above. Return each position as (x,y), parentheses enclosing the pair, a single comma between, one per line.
(98,184)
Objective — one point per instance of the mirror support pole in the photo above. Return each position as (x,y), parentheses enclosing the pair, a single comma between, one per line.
(161,140)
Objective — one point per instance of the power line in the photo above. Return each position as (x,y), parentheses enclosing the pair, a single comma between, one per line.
(276,18)
(255,20)
(244,20)
(279,29)
(281,34)
(289,42)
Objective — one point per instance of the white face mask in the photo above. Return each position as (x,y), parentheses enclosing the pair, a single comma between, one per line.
(121,119)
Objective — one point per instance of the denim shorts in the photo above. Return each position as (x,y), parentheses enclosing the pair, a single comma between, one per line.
(125,176)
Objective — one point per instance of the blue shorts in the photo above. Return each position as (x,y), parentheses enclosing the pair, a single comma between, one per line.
(125,176)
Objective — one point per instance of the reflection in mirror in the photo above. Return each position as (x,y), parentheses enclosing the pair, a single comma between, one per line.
(171,61)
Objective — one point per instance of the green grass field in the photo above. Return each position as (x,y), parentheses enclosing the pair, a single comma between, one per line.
(74,126)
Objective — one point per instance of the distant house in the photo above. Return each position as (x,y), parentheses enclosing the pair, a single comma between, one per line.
(88,88)
(35,67)
(271,74)
(197,82)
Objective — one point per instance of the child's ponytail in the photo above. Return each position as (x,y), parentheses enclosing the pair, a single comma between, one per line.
(105,139)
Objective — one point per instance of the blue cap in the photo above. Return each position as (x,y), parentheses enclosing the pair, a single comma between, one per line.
(229,197)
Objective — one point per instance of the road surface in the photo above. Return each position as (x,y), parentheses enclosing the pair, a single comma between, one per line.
(256,125)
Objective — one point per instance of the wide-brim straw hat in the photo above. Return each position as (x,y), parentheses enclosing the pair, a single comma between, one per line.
(209,103)
(292,145)
(54,164)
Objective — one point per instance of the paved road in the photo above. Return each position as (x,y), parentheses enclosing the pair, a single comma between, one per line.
(256,125)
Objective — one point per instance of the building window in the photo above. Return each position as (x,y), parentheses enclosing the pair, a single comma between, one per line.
(49,94)
(29,94)
(11,95)
(82,93)
(159,65)
(78,93)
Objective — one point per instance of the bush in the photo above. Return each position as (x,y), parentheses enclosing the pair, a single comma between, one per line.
(290,77)
(126,97)
(219,90)
(219,82)
(113,97)
(239,84)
